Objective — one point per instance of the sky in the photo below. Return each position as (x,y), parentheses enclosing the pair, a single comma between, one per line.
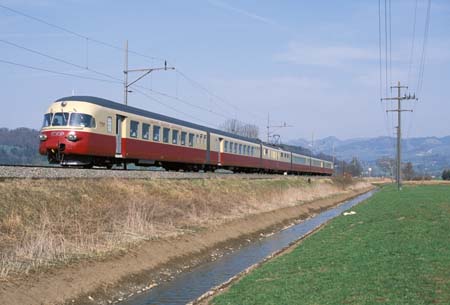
(314,65)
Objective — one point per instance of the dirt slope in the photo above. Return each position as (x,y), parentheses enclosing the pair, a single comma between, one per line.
(97,281)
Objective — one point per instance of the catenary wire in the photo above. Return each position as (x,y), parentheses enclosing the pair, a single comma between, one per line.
(170,107)
(56,72)
(209,92)
(103,74)
(114,47)
(87,39)
(182,101)
(76,33)
(58,59)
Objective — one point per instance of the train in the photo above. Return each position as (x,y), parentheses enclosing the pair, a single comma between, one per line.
(87,131)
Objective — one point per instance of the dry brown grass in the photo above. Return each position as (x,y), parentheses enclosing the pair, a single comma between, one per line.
(44,223)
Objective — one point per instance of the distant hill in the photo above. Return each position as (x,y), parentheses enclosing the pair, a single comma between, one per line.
(20,146)
(430,155)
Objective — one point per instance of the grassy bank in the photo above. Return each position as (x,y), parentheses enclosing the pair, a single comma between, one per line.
(394,250)
(44,223)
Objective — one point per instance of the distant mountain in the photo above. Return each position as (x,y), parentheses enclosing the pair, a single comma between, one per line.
(429,155)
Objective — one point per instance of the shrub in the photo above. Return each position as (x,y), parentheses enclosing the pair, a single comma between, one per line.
(446,174)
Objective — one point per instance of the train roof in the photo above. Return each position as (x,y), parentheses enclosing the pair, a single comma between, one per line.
(156,116)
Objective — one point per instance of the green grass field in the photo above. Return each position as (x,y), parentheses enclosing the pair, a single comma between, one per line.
(395,250)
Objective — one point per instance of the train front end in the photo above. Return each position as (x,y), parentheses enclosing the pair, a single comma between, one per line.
(66,134)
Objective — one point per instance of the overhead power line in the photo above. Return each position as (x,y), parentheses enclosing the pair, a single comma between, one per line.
(390,43)
(413,40)
(421,66)
(424,48)
(379,48)
(386,43)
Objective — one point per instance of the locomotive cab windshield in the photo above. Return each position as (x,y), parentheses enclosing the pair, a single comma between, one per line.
(72,119)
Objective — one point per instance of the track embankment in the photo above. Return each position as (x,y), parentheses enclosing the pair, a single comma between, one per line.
(94,241)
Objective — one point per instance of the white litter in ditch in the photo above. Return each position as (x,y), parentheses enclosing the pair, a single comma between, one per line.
(349,213)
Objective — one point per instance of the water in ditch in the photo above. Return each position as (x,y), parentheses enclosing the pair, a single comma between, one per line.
(190,285)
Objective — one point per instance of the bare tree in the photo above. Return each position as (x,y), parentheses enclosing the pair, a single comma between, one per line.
(387,165)
(355,167)
(408,171)
(237,127)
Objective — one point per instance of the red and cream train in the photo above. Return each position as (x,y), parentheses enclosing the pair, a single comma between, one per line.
(87,131)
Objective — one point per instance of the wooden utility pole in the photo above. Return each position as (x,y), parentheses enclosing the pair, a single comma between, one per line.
(399,111)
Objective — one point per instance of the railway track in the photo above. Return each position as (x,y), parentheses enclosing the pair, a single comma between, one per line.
(57,172)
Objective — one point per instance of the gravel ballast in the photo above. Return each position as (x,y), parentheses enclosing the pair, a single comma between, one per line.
(60,172)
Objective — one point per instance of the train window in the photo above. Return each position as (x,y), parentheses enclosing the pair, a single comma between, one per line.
(166,132)
(231,147)
(225,146)
(183,138)
(191,139)
(174,136)
(253,150)
(82,120)
(197,139)
(248,150)
(47,120)
(109,124)
(145,131)
(60,119)
(156,133)
(240,149)
(235,148)
(134,129)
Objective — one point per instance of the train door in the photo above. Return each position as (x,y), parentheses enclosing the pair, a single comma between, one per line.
(219,161)
(208,147)
(119,127)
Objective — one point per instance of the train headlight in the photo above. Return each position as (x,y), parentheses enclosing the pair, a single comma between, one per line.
(72,136)
(42,137)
